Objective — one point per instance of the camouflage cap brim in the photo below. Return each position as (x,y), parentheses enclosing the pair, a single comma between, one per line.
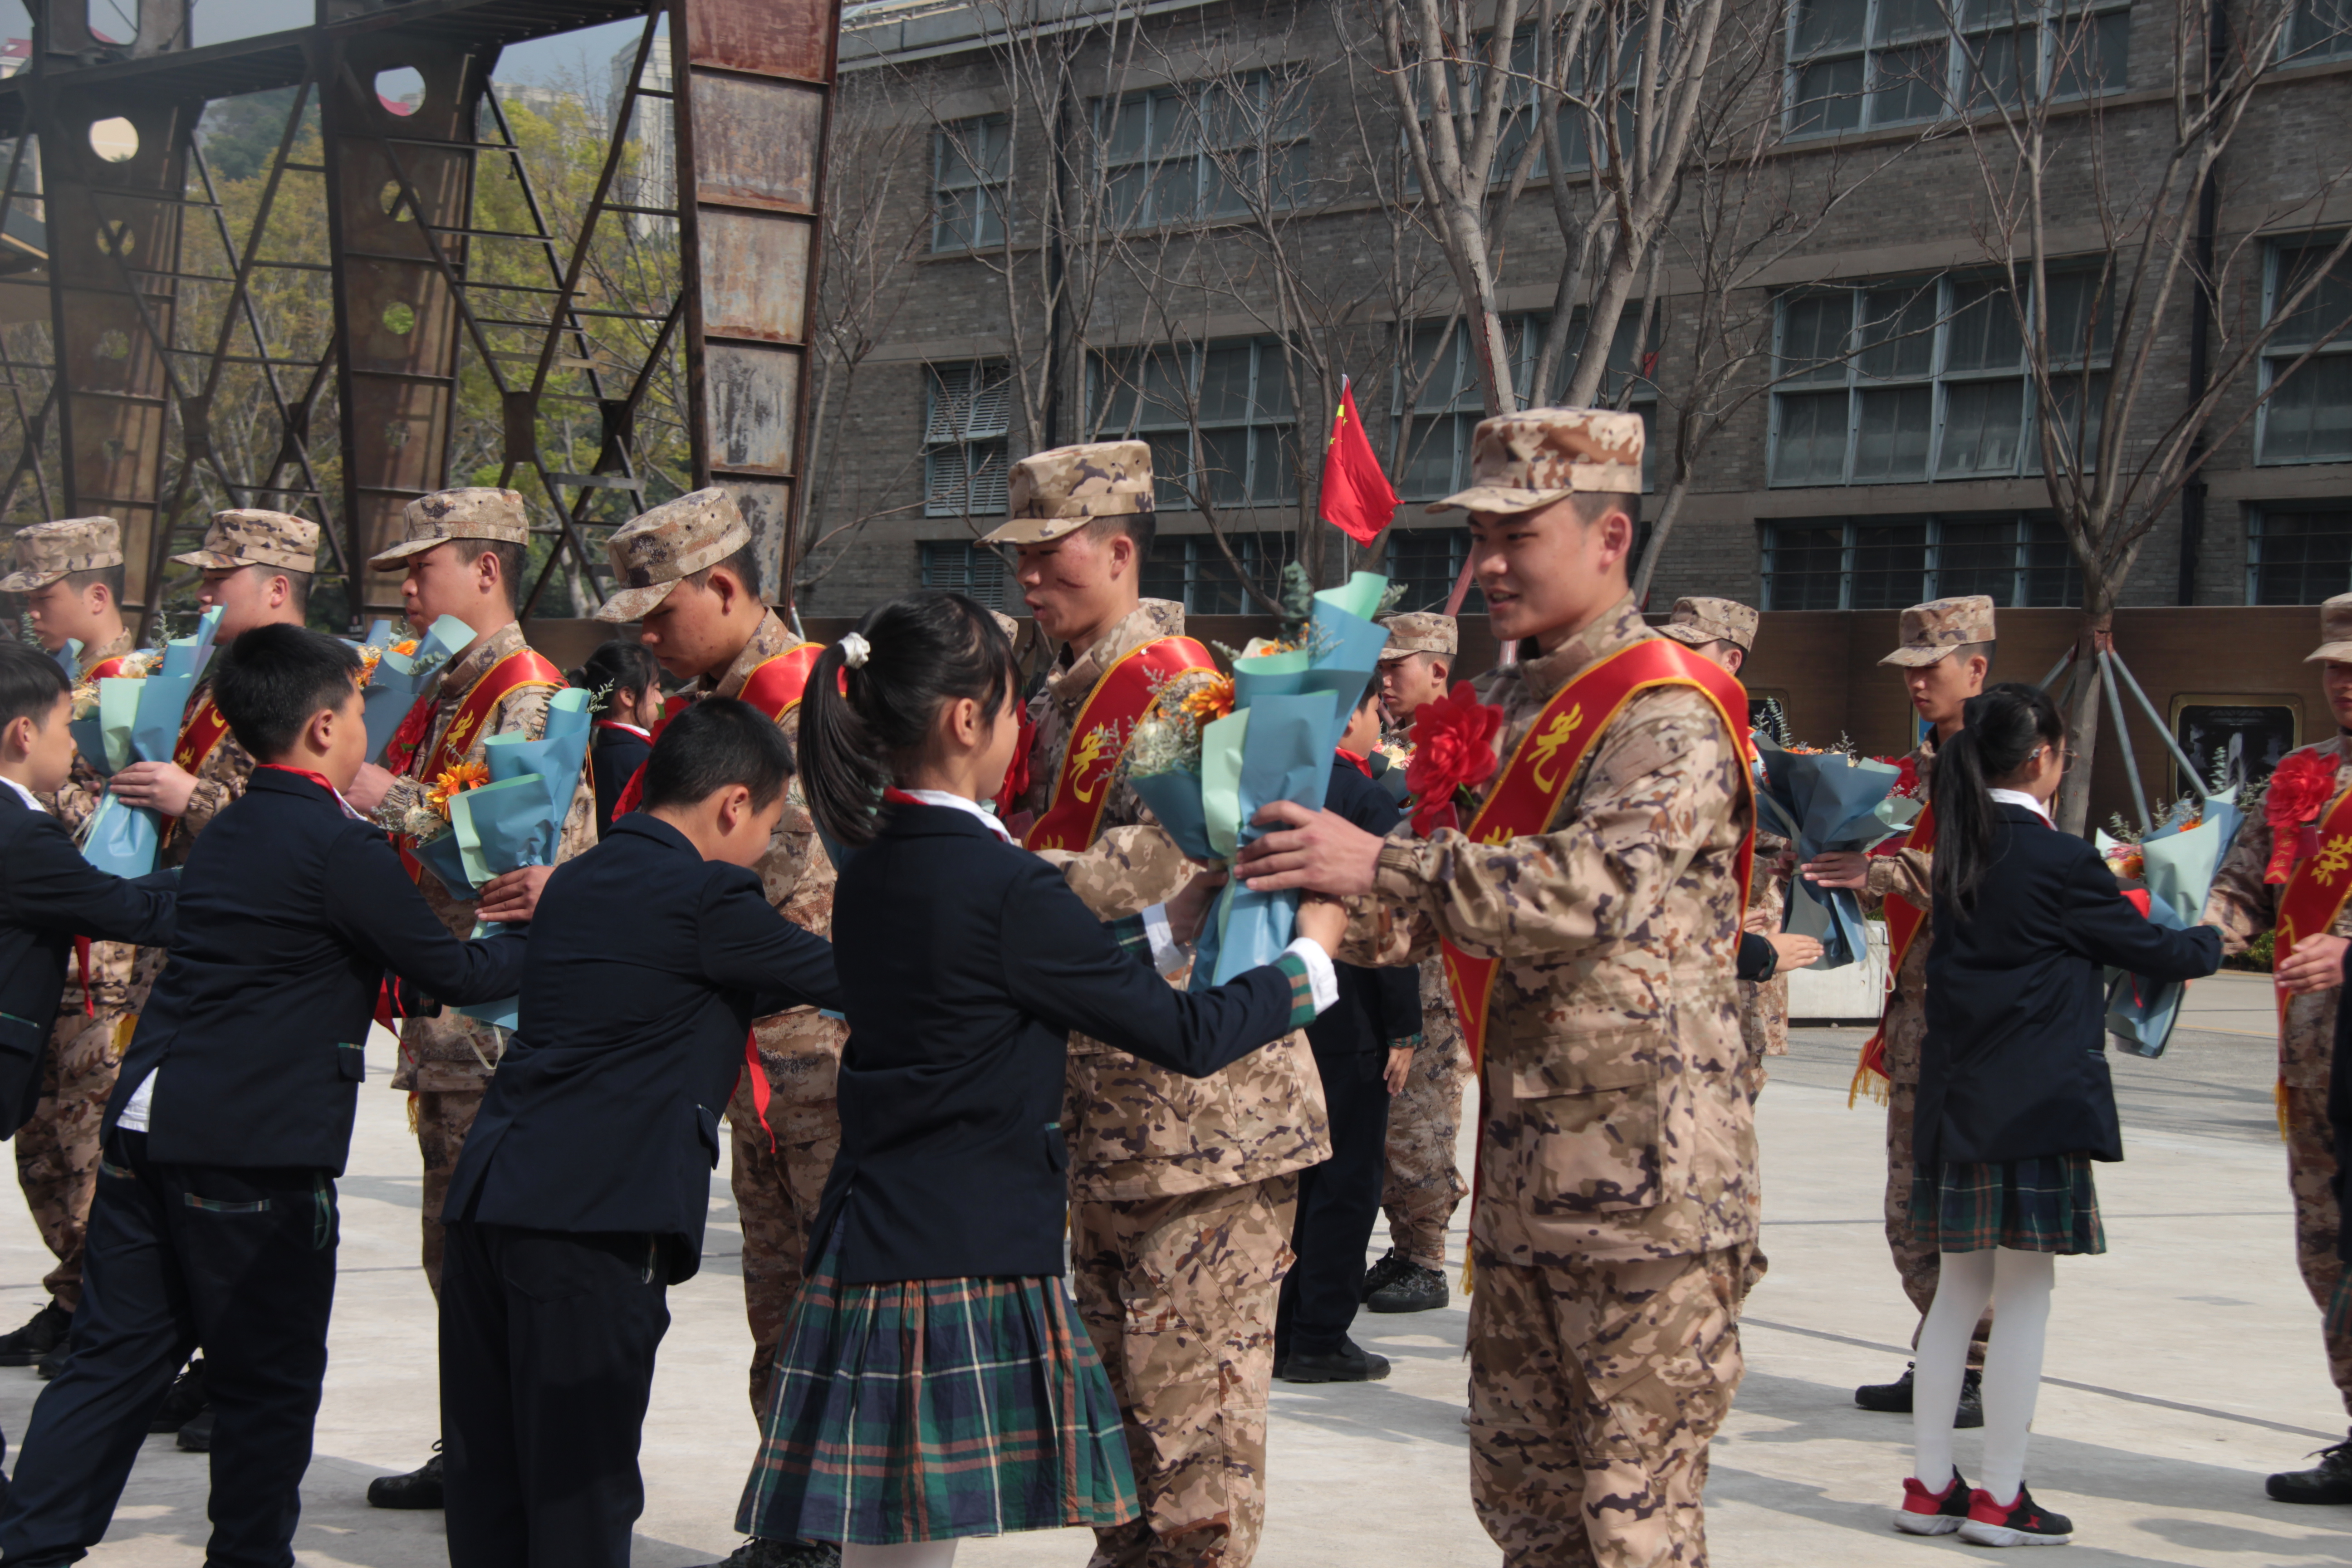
(29,582)
(396,558)
(1920,657)
(1690,636)
(1039,530)
(635,604)
(211,560)
(1504,499)
(2326,653)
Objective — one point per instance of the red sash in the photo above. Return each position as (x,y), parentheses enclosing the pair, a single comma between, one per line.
(201,728)
(2316,890)
(1528,792)
(1904,920)
(1106,722)
(524,667)
(106,669)
(774,686)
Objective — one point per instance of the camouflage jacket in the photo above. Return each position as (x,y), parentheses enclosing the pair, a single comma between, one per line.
(111,963)
(453,1053)
(1904,875)
(1614,1122)
(1764,1004)
(1135,1131)
(2244,905)
(800,1049)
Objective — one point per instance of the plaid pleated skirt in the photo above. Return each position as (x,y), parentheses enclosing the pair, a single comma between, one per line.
(2046,1204)
(934,1408)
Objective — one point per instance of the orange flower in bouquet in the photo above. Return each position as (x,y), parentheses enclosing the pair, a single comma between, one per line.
(1211,700)
(456,781)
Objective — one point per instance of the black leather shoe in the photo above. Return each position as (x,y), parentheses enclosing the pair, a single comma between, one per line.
(53,1360)
(196,1436)
(421,1488)
(761,1552)
(2330,1480)
(1384,1273)
(181,1401)
(1970,1412)
(1894,1398)
(1348,1363)
(1415,1289)
(46,1331)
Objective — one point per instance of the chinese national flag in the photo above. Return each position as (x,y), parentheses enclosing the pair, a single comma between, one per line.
(1356,500)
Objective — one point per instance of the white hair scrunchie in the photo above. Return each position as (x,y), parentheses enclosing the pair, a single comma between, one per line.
(855,650)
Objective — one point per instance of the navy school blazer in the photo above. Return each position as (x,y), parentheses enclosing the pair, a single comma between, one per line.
(647,964)
(1376,1007)
(48,896)
(2015,1064)
(966,963)
(291,915)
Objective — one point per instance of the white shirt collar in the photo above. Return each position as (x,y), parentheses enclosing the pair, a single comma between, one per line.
(2019,797)
(958,803)
(27,796)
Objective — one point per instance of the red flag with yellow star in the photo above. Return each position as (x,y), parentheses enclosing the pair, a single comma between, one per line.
(1356,500)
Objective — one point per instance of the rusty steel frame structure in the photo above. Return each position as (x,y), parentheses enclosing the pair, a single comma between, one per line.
(132,401)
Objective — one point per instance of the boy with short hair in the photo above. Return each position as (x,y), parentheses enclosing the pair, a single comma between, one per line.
(215,1221)
(586,1183)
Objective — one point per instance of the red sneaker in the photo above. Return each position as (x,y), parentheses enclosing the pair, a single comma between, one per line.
(2021,1521)
(1932,1513)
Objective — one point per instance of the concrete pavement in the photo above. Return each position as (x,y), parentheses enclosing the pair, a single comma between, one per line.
(2183,1366)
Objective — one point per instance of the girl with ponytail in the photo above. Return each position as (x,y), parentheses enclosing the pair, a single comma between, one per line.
(2014,1097)
(623,673)
(934,1319)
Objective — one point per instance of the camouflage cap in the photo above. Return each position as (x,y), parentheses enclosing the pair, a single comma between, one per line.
(1521,461)
(1935,629)
(475,511)
(657,549)
(2335,631)
(1055,492)
(247,536)
(47,550)
(1419,631)
(1702,621)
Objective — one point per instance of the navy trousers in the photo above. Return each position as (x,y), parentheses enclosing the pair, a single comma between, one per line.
(238,1262)
(1338,1204)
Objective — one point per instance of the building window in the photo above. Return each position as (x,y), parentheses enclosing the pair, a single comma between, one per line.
(1205,150)
(2318,30)
(971,161)
(2307,418)
(965,454)
(2020,559)
(2298,555)
(1189,569)
(1428,563)
(1905,381)
(977,570)
(1218,416)
(1856,64)
(1434,458)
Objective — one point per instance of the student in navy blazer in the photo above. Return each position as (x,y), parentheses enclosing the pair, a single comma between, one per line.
(49,893)
(215,1221)
(585,1183)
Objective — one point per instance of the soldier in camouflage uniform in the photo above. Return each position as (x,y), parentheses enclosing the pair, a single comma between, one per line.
(1185,1189)
(1423,1183)
(462,552)
(2245,905)
(70,571)
(689,573)
(1945,655)
(1618,1199)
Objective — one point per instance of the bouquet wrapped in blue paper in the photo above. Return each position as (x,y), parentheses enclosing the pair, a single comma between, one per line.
(138,720)
(1205,774)
(2176,866)
(515,819)
(1825,801)
(395,674)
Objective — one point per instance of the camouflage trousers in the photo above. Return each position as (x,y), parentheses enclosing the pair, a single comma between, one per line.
(1919,1267)
(1594,1390)
(1178,1295)
(2311,1177)
(1424,1185)
(776,1185)
(57,1150)
(444,1117)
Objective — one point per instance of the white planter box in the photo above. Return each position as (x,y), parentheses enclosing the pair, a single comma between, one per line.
(1852,994)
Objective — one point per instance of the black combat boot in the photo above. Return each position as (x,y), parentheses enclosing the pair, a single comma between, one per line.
(1415,1289)
(420,1487)
(1349,1363)
(761,1553)
(46,1331)
(2330,1480)
(1894,1398)
(182,1401)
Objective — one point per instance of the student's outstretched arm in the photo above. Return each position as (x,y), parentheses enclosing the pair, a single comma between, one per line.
(747,946)
(2101,924)
(52,888)
(1066,967)
(374,903)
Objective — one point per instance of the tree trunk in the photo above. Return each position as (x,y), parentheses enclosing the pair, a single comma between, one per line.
(2082,714)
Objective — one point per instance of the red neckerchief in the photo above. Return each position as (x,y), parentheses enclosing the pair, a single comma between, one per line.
(641,733)
(321,780)
(1363,763)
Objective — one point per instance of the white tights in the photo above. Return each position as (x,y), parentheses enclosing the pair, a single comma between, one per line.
(2017,1284)
(903,1555)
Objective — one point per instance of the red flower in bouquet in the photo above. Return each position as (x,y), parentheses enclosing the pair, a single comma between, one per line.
(2297,791)
(1452,749)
